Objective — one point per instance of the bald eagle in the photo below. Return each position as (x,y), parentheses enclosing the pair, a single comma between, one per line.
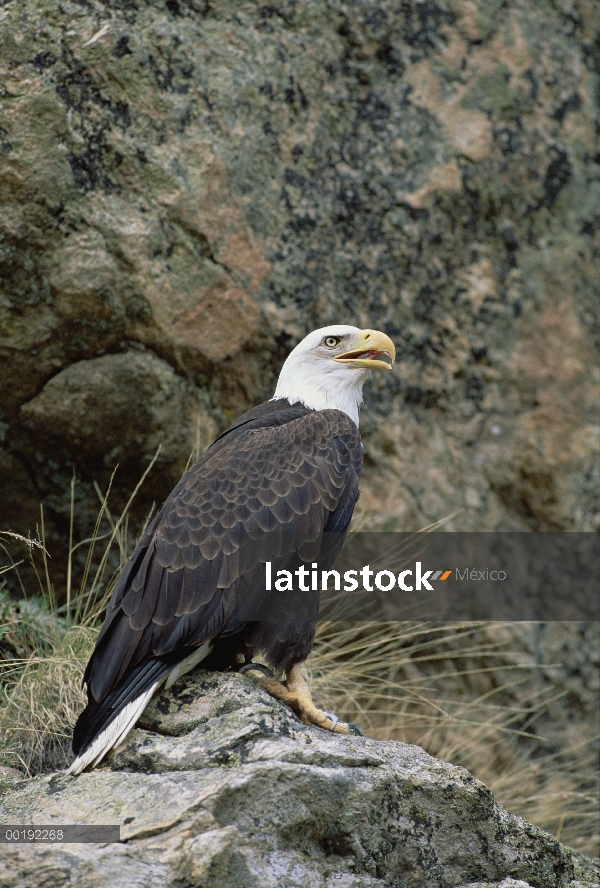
(194,589)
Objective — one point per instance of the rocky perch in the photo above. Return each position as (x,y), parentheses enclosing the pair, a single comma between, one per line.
(222,786)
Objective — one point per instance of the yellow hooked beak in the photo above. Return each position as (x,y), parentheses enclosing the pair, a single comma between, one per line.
(373,350)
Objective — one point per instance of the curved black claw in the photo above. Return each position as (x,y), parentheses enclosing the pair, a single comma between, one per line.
(355,729)
(256,667)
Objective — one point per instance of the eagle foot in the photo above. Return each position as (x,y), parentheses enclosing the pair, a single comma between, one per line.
(296,694)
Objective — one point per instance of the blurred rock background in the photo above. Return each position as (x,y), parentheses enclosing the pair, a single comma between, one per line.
(187,188)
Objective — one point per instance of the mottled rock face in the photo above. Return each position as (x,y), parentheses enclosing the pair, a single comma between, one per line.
(197,185)
(222,785)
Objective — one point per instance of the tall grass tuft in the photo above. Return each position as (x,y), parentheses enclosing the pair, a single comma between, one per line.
(40,698)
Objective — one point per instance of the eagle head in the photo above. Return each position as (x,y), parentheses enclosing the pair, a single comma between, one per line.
(328,368)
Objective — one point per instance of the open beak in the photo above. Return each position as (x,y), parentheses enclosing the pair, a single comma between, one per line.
(373,351)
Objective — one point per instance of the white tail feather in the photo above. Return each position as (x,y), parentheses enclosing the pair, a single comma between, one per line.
(116,731)
(119,727)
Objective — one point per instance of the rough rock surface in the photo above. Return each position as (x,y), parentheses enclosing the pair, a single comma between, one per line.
(221,785)
(188,187)
(148,401)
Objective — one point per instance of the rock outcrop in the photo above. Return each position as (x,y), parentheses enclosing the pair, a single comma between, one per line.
(221,785)
(188,187)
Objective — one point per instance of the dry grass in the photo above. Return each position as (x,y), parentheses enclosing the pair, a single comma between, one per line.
(44,646)
(471,693)
(40,698)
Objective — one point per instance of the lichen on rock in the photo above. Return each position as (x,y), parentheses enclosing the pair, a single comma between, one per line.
(222,785)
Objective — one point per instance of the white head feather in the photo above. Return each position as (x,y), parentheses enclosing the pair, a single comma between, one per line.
(312,377)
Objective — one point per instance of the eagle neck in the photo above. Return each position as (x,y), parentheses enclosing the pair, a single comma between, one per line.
(341,391)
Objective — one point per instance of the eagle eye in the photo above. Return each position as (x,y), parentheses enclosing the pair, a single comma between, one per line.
(332,341)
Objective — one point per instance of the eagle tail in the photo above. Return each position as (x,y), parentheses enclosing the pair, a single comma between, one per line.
(103,725)
(114,732)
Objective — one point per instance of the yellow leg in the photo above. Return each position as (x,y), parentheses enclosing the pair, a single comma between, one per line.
(296,694)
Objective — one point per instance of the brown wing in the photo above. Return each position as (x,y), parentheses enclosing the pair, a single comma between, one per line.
(261,494)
